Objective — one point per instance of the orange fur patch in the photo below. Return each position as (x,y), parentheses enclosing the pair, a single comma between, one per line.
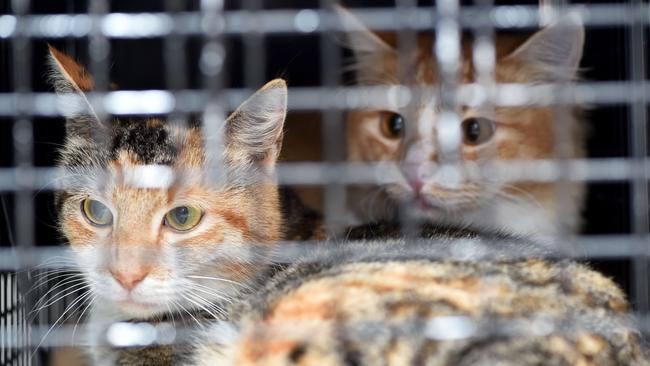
(74,72)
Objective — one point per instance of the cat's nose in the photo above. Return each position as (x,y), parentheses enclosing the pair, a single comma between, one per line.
(130,278)
(413,177)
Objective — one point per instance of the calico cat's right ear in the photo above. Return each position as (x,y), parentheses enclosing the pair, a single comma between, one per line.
(254,130)
(72,81)
(370,51)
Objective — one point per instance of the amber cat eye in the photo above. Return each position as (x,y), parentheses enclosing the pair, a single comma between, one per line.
(392,124)
(96,212)
(477,130)
(183,218)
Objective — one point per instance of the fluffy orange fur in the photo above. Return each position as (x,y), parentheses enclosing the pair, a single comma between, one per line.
(524,133)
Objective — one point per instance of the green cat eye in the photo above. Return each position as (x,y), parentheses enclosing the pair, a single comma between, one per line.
(392,124)
(96,212)
(477,130)
(183,218)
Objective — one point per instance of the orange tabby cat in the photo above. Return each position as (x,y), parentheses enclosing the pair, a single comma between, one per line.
(419,182)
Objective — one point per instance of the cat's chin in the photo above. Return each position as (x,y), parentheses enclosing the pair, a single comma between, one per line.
(140,309)
(426,204)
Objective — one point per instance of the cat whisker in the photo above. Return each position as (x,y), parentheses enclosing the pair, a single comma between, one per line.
(171,313)
(66,311)
(54,260)
(205,290)
(45,280)
(218,279)
(201,306)
(528,195)
(209,303)
(190,314)
(74,330)
(74,281)
(60,297)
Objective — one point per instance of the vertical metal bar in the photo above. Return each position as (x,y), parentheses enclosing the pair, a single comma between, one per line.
(254,54)
(639,134)
(333,149)
(562,135)
(407,46)
(484,53)
(448,57)
(175,61)
(23,139)
(484,57)
(212,61)
(3,316)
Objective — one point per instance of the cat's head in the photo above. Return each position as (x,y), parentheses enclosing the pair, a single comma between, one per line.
(410,135)
(151,228)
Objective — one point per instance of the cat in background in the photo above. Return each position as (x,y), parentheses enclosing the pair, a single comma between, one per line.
(154,238)
(407,137)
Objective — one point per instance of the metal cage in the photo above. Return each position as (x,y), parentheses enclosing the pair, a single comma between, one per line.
(201,58)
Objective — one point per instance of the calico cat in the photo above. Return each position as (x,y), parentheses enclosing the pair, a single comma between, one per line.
(453,298)
(406,138)
(154,237)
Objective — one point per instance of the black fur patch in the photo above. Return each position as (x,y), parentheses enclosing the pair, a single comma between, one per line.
(150,143)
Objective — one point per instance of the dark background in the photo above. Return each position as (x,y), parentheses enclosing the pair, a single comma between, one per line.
(139,64)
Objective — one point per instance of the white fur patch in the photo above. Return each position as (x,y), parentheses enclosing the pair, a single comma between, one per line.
(149,176)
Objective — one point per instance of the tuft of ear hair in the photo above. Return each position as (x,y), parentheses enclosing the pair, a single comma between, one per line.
(254,130)
(72,81)
(556,49)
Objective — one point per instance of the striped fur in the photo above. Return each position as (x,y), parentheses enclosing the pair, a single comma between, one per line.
(487,302)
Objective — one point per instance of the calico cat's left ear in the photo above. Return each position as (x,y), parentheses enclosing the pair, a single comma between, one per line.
(254,130)
(556,49)
(72,81)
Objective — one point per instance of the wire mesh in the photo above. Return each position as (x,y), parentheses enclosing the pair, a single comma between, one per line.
(212,55)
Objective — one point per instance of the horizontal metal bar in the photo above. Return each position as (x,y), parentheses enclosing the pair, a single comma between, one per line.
(162,102)
(147,25)
(353,173)
(438,328)
(581,247)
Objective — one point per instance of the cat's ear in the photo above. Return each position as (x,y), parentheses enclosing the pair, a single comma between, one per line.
(359,37)
(254,130)
(72,81)
(556,49)
(370,51)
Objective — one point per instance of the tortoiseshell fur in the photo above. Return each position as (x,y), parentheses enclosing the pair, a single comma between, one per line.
(464,299)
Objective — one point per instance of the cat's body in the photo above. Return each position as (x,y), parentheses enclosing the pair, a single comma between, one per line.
(407,138)
(460,298)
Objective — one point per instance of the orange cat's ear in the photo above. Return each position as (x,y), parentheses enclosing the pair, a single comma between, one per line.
(371,53)
(254,130)
(359,37)
(71,81)
(556,49)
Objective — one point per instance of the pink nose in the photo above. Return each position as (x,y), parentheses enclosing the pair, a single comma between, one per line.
(129,278)
(411,172)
